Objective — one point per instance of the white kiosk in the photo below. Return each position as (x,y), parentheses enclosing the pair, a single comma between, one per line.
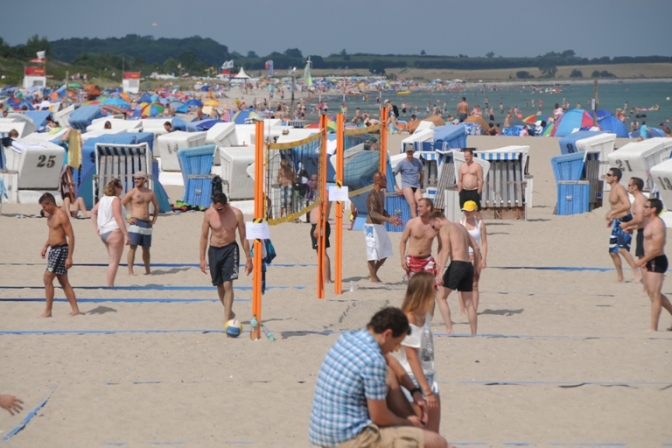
(34,77)
(131,82)
(637,159)
(661,175)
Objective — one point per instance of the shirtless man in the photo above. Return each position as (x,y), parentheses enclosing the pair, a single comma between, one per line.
(635,187)
(378,244)
(314,217)
(462,109)
(140,229)
(619,241)
(470,180)
(654,260)
(221,221)
(418,257)
(455,243)
(61,245)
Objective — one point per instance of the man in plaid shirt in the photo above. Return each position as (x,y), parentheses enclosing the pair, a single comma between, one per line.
(350,408)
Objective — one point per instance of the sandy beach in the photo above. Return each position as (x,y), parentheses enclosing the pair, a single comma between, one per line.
(563,358)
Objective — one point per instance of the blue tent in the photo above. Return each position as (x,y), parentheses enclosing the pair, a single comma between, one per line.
(453,136)
(613,125)
(651,132)
(568,144)
(82,117)
(145,98)
(202,125)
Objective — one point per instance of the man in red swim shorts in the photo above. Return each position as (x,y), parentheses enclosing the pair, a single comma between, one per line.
(420,236)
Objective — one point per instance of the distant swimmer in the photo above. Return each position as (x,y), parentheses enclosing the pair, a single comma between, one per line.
(655,260)
(619,241)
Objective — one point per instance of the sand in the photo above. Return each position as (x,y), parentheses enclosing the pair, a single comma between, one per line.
(564,359)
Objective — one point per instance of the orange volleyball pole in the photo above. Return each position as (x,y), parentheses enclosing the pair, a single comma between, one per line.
(383,140)
(321,220)
(338,259)
(258,217)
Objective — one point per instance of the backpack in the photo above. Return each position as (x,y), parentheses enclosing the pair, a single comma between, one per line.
(216,186)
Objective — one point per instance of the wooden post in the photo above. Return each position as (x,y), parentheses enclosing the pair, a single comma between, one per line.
(338,258)
(383,140)
(321,220)
(259,201)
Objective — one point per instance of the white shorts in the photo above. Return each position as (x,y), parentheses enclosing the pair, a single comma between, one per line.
(378,244)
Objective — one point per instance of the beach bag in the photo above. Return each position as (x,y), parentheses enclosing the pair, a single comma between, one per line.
(217,186)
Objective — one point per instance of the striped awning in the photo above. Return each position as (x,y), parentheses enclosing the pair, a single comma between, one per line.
(490,156)
(106,149)
(429,155)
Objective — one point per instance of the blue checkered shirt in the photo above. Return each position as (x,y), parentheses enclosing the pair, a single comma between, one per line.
(353,371)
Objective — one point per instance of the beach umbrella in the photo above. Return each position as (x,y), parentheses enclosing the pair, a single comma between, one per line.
(176,104)
(145,98)
(112,110)
(438,121)
(613,125)
(601,113)
(246,115)
(531,119)
(74,85)
(151,110)
(479,120)
(124,96)
(571,121)
(116,102)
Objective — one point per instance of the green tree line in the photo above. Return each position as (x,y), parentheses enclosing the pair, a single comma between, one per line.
(197,56)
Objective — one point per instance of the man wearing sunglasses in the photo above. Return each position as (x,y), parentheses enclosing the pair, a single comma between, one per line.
(619,241)
(220,222)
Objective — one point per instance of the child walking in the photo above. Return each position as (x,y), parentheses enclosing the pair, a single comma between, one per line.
(417,356)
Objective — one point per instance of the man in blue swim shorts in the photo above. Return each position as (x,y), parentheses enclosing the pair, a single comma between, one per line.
(619,241)
(140,228)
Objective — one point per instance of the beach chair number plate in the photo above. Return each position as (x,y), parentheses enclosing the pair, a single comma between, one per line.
(43,161)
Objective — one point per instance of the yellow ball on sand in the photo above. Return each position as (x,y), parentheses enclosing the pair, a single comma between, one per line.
(233,328)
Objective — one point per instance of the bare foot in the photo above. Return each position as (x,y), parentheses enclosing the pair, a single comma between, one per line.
(375,280)
(619,280)
(637,279)
(651,330)
(45,314)
(669,329)
(75,313)
(233,316)
(450,330)
(148,273)
(130,273)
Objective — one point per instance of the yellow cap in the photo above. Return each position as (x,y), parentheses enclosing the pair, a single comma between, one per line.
(469,206)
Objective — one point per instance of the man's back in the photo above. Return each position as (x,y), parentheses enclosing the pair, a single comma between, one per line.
(353,371)
(458,237)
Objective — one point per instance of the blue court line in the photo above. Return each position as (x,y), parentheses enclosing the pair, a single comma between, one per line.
(559,383)
(155,288)
(120,300)
(28,417)
(62,332)
(163,265)
(553,268)
(297,333)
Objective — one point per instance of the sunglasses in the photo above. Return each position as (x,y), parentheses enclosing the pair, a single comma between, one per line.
(610,175)
(219,209)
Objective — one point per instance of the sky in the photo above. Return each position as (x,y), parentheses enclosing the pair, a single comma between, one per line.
(592,28)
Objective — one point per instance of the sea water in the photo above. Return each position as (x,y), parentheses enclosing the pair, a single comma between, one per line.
(611,95)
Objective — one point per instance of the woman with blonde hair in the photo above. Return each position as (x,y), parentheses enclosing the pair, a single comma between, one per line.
(417,354)
(108,220)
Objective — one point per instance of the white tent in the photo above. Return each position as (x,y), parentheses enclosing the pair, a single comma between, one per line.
(241,74)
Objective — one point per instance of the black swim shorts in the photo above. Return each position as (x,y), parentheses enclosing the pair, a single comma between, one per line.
(639,250)
(314,240)
(657,265)
(224,263)
(470,195)
(459,276)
